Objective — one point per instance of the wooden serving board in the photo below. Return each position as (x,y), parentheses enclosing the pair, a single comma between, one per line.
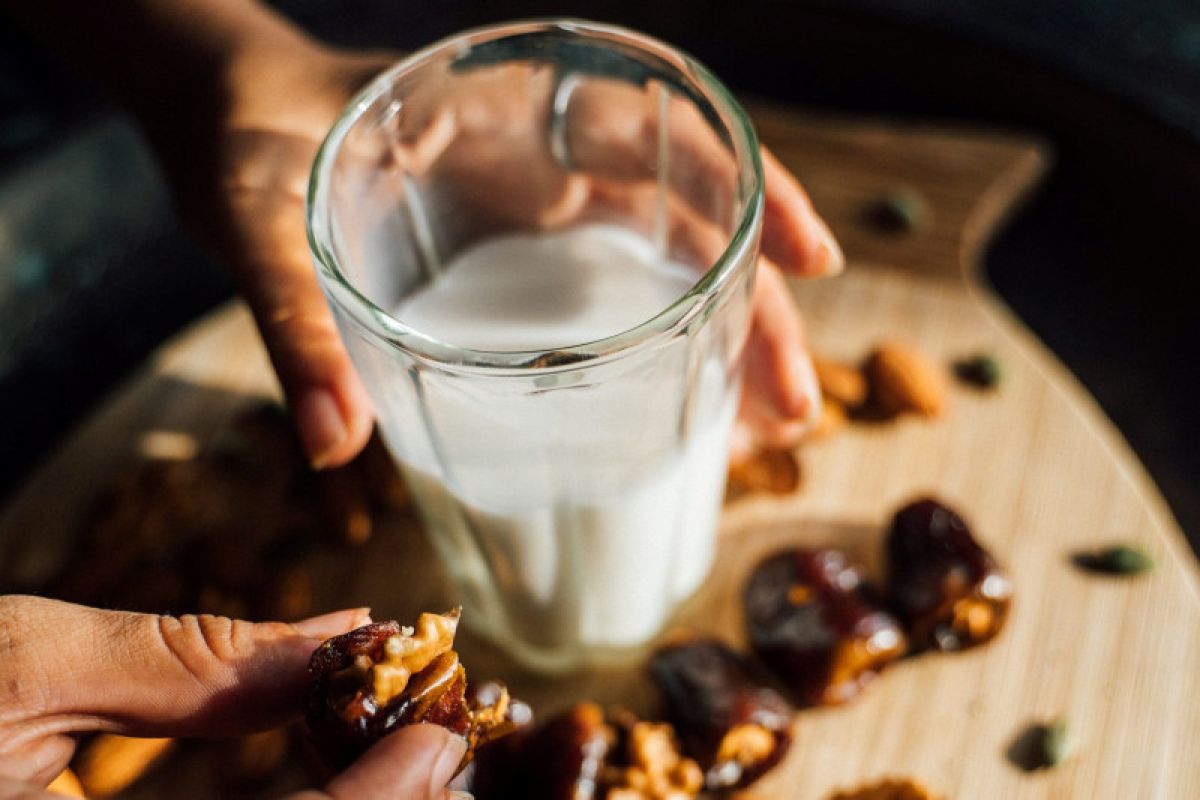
(1036,468)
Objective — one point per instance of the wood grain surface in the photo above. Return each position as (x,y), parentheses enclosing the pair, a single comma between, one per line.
(1035,467)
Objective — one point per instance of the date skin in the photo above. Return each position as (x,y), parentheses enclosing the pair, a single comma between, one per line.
(949,592)
(814,622)
(734,726)
(561,760)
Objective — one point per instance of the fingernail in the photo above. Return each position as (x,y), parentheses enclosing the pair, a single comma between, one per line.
(333,623)
(459,796)
(829,257)
(322,429)
(447,764)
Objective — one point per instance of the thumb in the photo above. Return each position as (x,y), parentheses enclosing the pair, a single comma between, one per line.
(414,763)
(153,675)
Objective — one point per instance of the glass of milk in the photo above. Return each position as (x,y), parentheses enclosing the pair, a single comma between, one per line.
(538,240)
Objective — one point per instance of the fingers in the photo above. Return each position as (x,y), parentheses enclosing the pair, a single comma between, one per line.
(414,763)
(266,240)
(13,789)
(76,669)
(614,132)
(794,236)
(780,398)
(37,762)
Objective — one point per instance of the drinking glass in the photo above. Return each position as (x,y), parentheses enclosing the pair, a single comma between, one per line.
(572,493)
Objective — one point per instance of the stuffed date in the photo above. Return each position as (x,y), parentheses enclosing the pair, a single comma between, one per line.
(948,591)
(381,677)
(815,624)
(583,755)
(734,726)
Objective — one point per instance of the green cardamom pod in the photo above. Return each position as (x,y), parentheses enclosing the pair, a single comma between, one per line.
(979,370)
(1116,560)
(1054,743)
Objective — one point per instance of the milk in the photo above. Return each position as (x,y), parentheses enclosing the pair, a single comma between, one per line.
(576,516)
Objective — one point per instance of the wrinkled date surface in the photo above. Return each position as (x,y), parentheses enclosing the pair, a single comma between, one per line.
(813,621)
(947,590)
(380,677)
(734,726)
(581,755)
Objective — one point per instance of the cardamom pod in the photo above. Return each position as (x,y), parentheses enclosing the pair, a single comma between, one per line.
(1054,743)
(1116,560)
(979,370)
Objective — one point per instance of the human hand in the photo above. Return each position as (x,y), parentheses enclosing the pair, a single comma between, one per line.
(241,181)
(69,670)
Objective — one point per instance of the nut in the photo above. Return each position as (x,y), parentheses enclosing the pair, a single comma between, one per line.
(902,380)
(833,418)
(773,471)
(842,382)
(66,784)
(411,651)
(111,763)
(656,770)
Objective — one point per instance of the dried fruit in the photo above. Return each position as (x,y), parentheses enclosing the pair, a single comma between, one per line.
(902,380)
(812,619)
(380,677)
(561,760)
(979,370)
(947,590)
(579,755)
(732,724)
(1116,560)
(110,763)
(773,471)
(842,382)
(887,789)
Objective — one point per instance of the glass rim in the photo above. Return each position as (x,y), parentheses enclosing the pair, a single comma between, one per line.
(381,324)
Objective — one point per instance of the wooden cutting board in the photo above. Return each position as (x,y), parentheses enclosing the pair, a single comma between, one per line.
(1035,467)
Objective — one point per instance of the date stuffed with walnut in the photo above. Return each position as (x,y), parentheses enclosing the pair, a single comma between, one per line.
(583,755)
(734,726)
(813,621)
(947,590)
(381,677)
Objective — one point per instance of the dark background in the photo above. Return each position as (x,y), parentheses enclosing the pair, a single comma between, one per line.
(94,270)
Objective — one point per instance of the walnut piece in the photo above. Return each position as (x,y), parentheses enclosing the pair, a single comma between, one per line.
(411,651)
(656,770)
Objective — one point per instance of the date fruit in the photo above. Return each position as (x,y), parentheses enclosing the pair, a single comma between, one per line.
(734,726)
(948,591)
(581,755)
(381,677)
(814,622)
